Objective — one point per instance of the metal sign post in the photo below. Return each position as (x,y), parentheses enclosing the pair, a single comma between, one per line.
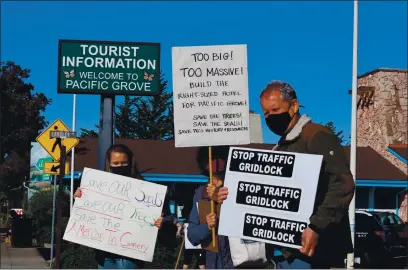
(53,221)
(59,205)
(71,197)
(105,129)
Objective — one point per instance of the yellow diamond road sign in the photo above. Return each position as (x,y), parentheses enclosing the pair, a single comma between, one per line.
(54,168)
(51,144)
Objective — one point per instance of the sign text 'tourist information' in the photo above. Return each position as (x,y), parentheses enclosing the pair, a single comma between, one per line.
(110,68)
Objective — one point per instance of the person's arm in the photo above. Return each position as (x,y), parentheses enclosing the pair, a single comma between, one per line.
(340,185)
(169,218)
(197,233)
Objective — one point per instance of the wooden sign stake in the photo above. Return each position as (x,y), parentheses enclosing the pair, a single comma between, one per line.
(211,183)
(179,255)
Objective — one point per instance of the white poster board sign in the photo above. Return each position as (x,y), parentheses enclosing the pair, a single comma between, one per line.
(271,195)
(187,242)
(210,95)
(116,214)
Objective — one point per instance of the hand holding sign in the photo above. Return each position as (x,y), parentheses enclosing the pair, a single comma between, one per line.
(212,191)
(78,193)
(211,220)
(158,222)
(222,194)
(309,242)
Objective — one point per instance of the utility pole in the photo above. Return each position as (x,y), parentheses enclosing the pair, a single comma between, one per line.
(1,104)
(353,141)
(1,121)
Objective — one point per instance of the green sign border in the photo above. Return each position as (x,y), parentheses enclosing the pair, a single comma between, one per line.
(106,92)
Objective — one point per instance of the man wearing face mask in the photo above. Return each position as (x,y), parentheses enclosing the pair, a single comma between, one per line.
(327,240)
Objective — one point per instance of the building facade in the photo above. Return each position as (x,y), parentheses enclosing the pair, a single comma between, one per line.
(255,127)
(382,124)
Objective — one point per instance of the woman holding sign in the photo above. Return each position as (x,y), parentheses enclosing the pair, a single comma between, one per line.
(199,229)
(119,160)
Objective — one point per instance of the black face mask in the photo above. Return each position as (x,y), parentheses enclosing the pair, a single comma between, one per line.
(278,123)
(121,170)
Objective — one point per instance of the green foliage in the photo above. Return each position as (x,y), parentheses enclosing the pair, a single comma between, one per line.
(21,120)
(88,133)
(144,117)
(5,222)
(339,133)
(147,117)
(164,257)
(78,257)
(41,205)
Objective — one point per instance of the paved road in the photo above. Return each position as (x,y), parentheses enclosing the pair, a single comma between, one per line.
(21,258)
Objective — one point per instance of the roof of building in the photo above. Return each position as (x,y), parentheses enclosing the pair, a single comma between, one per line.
(161,157)
(382,69)
(364,87)
(400,149)
(372,166)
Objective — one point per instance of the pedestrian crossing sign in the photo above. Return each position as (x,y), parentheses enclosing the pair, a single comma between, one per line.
(52,145)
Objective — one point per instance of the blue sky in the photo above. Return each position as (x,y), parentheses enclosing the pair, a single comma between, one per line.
(308,44)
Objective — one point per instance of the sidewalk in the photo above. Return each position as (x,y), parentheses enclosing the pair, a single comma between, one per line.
(20,258)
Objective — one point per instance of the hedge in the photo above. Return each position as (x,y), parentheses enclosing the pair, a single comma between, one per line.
(41,206)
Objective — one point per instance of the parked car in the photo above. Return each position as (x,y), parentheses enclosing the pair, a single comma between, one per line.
(378,242)
(395,228)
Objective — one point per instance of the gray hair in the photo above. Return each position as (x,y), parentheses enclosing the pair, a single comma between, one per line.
(287,91)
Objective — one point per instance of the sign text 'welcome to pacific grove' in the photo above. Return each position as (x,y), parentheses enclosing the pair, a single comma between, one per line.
(115,68)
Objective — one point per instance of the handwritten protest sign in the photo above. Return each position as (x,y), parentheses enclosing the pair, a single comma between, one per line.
(116,214)
(210,86)
(271,195)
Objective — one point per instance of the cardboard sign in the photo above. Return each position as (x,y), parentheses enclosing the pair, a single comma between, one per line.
(210,85)
(271,195)
(116,214)
(204,208)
